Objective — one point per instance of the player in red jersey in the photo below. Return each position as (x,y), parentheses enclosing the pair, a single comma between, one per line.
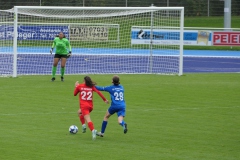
(85,91)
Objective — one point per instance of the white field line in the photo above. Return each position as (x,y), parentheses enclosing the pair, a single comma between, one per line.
(171,109)
(128,110)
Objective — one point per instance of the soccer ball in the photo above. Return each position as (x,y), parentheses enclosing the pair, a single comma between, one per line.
(73,129)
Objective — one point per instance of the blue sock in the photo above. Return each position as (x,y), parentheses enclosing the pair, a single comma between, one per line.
(104,125)
(122,124)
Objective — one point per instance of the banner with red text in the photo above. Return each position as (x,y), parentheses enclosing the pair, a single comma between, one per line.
(223,38)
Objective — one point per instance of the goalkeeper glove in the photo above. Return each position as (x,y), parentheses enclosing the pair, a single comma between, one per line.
(69,54)
(51,50)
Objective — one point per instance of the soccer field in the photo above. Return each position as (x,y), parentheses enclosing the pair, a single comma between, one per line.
(189,117)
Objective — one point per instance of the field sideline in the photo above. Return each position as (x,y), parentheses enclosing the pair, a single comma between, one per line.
(194,116)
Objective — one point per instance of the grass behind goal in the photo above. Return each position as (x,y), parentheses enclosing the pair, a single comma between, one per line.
(195,116)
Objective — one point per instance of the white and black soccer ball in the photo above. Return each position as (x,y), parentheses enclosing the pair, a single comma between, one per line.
(73,129)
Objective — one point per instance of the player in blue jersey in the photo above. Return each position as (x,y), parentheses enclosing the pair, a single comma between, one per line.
(117,106)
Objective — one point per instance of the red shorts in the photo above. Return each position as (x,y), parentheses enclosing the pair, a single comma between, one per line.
(86,110)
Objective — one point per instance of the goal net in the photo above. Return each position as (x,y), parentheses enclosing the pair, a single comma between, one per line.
(104,40)
(6,43)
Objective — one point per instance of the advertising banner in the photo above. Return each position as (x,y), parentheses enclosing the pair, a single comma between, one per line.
(171,37)
(88,33)
(32,32)
(223,38)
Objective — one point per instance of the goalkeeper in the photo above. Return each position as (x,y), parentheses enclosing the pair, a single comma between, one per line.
(63,51)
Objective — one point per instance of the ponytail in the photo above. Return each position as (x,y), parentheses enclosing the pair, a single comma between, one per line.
(89,82)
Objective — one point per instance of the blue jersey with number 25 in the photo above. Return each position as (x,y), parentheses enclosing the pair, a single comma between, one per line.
(117,94)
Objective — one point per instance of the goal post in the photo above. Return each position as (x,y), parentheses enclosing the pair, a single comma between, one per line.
(104,40)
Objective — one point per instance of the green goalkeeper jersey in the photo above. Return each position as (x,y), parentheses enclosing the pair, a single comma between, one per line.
(62,46)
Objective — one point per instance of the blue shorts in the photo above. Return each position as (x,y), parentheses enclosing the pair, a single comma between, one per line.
(119,110)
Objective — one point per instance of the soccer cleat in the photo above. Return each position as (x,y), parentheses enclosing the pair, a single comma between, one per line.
(100,134)
(62,79)
(84,129)
(94,133)
(125,128)
(53,79)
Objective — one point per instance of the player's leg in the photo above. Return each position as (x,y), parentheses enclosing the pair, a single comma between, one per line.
(82,120)
(54,67)
(63,64)
(121,114)
(91,126)
(109,112)
(90,123)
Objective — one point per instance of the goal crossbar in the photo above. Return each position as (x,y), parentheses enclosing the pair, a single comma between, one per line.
(100,8)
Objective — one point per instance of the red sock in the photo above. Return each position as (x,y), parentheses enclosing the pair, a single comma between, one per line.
(90,125)
(82,119)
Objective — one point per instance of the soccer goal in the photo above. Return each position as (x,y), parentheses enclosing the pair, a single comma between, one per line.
(104,40)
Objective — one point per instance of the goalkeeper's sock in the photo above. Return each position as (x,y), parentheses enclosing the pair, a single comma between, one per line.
(62,71)
(82,119)
(90,125)
(54,70)
(104,125)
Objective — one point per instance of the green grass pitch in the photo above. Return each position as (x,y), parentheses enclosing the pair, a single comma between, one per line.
(190,117)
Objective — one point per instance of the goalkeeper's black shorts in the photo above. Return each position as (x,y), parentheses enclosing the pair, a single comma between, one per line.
(60,56)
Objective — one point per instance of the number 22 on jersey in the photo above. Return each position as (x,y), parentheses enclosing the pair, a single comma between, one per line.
(86,95)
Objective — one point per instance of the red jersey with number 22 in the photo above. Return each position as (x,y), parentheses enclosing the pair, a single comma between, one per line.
(86,95)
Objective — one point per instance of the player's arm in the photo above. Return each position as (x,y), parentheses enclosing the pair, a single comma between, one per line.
(100,94)
(76,90)
(53,45)
(69,49)
(102,88)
